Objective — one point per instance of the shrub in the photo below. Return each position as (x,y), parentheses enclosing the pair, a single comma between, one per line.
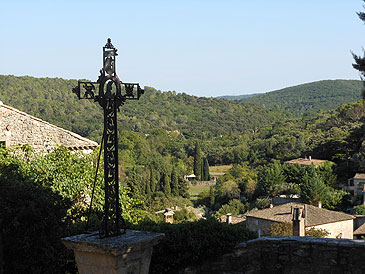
(189,244)
(316,232)
(281,229)
(360,209)
(262,203)
(286,229)
(33,220)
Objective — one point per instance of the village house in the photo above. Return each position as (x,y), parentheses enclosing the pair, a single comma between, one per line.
(355,186)
(20,128)
(338,224)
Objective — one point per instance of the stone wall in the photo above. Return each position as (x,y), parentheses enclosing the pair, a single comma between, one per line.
(289,255)
(202,183)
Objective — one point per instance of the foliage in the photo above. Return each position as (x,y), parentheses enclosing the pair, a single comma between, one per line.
(191,243)
(286,229)
(271,180)
(206,174)
(262,203)
(51,99)
(198,162)
(234,206)
(316,232)
(33,221)
(281,229)
(311,97)
(184,215)
(359,209)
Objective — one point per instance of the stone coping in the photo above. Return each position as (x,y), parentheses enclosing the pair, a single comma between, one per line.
(308,240)
(131,241)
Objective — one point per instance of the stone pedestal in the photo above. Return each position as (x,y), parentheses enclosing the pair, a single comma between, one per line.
(129,253)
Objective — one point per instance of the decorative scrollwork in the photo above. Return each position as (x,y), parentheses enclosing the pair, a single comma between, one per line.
(89,93)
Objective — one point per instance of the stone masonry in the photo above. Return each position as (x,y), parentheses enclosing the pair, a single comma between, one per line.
(290,255)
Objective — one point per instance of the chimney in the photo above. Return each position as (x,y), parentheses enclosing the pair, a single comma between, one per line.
(298,221)
(229,218)
(319,204)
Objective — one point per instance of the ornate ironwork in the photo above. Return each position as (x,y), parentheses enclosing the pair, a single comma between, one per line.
(112,93)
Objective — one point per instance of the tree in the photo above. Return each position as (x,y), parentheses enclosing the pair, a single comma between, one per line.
(360,61)
(174,183)
(206,174)
(198,161)
(314,189)
(272,179)
(211,197)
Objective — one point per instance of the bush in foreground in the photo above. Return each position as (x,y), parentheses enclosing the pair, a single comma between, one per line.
(189,244)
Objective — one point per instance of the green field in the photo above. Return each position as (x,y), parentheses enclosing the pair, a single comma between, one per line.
(220,169)
(194,191)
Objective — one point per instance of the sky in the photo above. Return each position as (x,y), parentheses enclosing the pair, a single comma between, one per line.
(200,47)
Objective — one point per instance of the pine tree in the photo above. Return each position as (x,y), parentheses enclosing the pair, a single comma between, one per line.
(360,61)
(198,161)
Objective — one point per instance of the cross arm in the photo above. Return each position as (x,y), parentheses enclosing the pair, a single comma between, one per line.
(132,91)
(85,90)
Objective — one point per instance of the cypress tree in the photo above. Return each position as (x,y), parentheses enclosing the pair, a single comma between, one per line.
(166,184)
(198,161)
(211,197)
(174,183)
(206,174)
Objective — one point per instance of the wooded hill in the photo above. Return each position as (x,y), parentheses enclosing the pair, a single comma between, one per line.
(52,99)
(312,97)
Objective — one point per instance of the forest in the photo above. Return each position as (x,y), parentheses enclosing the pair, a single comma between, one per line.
(167,135)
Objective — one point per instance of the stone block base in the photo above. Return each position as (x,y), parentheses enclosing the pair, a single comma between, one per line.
(129,253)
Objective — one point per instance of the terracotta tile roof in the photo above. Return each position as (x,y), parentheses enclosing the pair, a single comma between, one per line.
(305,161)
(360,230)
(359,176)
(314,215)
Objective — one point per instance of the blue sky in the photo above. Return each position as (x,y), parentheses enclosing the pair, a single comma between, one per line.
(200,47)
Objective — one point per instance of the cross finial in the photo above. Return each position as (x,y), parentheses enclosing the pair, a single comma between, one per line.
(109,44)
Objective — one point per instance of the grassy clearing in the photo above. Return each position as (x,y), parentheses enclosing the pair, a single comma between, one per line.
(220,169)
(194,191)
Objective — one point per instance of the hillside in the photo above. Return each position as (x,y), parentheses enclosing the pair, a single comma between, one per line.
(238,97)
(313,97)
(51,99)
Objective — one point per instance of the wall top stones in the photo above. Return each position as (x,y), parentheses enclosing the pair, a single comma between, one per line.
(295,240)
(20,128)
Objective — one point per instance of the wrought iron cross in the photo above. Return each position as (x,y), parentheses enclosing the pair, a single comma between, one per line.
(112,93)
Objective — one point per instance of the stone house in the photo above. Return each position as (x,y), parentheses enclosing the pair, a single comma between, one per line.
(338,224)
(20,128)
(356,185)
